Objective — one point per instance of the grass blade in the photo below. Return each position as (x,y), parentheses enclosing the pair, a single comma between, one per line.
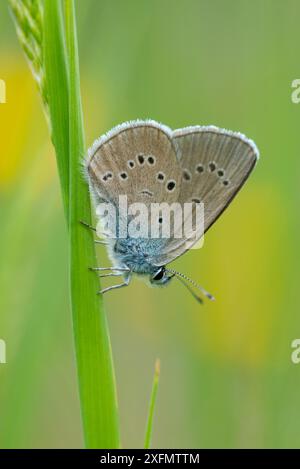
(149,426)
(94,361)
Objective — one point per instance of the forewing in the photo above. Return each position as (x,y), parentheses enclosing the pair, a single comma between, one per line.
(137,159)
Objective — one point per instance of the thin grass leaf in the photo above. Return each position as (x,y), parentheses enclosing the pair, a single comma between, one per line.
(149,426)
(93,351)
(57,88)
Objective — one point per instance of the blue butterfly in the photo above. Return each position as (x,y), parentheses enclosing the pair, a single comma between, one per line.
(151,165)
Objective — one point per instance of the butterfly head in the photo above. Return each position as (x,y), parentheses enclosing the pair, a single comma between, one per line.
(160,276)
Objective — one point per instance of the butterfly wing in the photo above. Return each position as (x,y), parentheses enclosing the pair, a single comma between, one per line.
(137,159)
(215,163)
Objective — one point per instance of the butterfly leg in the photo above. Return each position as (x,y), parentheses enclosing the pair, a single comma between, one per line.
(111,274)
(87,225)
(119,269)
(90,227)
(113,287)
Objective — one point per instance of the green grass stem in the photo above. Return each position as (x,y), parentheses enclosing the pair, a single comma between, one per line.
(149,426)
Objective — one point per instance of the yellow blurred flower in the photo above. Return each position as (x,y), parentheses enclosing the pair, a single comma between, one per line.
(21,120)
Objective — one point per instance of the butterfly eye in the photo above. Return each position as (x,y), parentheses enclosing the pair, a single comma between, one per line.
(159,274)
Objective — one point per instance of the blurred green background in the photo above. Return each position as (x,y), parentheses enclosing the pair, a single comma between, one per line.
(227,379)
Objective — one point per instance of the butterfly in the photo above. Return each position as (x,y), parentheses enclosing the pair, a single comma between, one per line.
(152,164)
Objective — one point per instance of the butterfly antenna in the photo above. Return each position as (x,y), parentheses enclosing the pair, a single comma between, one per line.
(183,277)
(189,289)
